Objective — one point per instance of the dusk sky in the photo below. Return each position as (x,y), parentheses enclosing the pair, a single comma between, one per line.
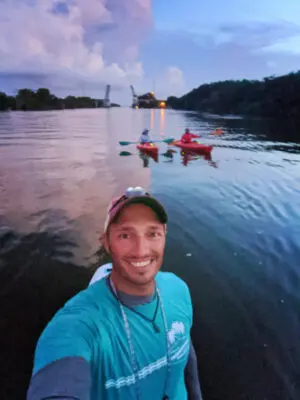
(78,46)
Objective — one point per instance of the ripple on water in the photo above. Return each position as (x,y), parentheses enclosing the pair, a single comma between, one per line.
(233,234)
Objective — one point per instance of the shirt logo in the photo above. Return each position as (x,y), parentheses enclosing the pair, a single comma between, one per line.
(178,341)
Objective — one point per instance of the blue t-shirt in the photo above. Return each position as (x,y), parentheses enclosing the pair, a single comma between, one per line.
(91,327)
(145,138)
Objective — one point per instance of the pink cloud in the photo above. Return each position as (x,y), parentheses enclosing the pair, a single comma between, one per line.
(34,39)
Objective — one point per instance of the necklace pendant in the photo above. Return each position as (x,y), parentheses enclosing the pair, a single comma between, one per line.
(156,327)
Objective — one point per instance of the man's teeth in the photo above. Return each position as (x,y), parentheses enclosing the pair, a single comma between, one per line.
(141,263)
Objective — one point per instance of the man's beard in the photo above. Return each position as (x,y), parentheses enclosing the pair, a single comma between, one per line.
(119,270)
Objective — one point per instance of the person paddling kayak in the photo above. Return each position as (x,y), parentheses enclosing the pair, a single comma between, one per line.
(127,336)
(145,137)
(188,136)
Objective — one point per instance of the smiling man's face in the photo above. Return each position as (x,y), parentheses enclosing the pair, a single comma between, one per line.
(136,243)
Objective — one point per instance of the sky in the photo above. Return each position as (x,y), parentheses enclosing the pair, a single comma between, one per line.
(77,47)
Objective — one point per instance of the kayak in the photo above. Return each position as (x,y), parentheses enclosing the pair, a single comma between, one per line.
(150,148)
(193,146)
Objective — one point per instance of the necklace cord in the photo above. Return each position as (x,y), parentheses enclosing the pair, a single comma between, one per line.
(128,334)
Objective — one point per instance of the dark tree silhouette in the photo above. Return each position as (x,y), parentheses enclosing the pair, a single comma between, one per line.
(43,99)
(271,97)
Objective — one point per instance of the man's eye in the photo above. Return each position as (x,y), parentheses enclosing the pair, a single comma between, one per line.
(123,236)
(154,234)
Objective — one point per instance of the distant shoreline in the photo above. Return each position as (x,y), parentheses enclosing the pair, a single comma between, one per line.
(60,109)
(43,100)
(274,97)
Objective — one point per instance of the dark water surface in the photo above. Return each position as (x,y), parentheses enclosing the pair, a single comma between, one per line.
(234,236)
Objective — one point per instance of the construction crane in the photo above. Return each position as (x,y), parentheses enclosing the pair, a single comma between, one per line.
(106,101)
(135,100)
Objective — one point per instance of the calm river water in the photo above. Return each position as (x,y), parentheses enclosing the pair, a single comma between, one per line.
(234,236)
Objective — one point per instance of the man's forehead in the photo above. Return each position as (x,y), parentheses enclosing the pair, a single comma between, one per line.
(132,227)
(137,212)
(124,223)
(132,222)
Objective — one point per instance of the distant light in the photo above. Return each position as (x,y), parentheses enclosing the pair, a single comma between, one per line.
(152,93)
(162,104)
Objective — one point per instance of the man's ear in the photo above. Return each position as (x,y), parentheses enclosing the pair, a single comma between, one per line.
(104,241)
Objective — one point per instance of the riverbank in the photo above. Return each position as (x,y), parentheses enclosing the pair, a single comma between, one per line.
(43,100)
(274,97)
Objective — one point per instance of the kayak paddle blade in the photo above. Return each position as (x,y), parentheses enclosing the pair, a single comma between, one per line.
(126,143)
(168,141)
(125,153)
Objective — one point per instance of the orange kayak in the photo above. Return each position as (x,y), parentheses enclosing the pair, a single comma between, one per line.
(150,148)
(194,147)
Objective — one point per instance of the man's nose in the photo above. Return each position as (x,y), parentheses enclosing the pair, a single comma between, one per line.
(141,246)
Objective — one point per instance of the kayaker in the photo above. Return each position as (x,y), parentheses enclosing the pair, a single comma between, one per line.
(127,336)
(188,136)
(145,137)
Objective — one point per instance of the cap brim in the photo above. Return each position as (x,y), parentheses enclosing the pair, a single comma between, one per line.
(151,202)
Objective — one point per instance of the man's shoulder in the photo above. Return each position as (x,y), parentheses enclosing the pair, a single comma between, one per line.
(169,276)
(89,296)
(171,281)
(175,294)
(84,304)
(74,327)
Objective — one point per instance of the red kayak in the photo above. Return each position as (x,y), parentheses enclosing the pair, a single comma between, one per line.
(149,148)
(193,147)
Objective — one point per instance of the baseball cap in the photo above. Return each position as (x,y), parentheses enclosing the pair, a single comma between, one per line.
(134,195)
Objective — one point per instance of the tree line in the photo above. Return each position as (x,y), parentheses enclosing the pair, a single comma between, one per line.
(43,99)
(270,97)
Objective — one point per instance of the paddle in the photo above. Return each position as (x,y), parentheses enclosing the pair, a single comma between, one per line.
(125,153)
(123,143)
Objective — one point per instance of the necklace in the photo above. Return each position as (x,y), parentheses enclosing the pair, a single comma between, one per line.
(130,344)
(151,320)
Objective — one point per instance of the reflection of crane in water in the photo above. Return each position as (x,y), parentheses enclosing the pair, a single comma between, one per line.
(147,100)
(106,101)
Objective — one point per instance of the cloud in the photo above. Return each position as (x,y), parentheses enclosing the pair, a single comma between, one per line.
(257,35)
(65,41)
(132,21)
(171,82)
(93,12)
(82,45)
(231,51)
(290,45)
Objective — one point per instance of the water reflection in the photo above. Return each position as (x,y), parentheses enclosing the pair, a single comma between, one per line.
(238,222)
(256,129)
(188,156)
(146,157)
(152,119)
(169,155)
(157,121)
(162,121)
(76,169)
